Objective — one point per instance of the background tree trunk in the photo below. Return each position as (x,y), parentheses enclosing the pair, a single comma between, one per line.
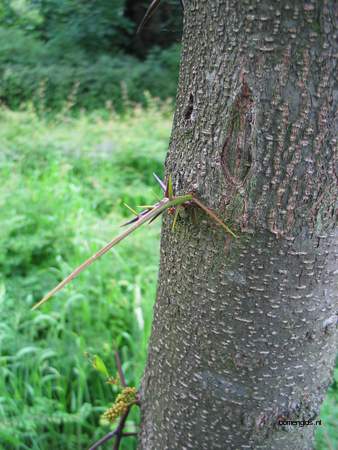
(244,330)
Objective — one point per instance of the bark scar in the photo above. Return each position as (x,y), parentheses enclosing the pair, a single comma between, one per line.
(236,156)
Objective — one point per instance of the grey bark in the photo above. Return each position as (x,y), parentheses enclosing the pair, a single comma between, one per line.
(244,331)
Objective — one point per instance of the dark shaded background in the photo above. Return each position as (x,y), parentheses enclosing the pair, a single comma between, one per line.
(88,49)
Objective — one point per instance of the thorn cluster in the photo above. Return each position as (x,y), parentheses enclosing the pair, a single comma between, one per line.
(169,202)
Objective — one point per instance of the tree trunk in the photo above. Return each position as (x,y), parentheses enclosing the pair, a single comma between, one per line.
(244,329)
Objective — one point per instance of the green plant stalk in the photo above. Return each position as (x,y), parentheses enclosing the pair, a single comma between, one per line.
(161,206)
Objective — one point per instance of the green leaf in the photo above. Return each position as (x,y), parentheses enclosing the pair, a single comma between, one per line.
(100,366)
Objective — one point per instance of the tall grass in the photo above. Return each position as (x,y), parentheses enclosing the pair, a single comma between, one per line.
(63,184)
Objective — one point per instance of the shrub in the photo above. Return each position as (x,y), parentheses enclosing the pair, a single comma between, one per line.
(31,72)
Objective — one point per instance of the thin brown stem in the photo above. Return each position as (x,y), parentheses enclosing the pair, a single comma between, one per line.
(103,440)
(150,11)
(119,369)
(119,429)
(117,433)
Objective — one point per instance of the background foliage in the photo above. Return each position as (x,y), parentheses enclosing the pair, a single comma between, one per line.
(68,162)
(87,51)
(65,182)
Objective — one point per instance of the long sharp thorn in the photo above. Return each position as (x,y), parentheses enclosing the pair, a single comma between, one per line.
(144,217)
(155,217)
(177,210)
(214,216)
(160,182)
(135,219)
(150,11)
(131,209)
(169,189)
(142,213)
(138,217)
(160,207)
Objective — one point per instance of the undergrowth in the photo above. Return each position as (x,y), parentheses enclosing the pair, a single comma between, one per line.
(63,185)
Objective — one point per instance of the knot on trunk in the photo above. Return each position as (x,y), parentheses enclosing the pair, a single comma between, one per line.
(236,157)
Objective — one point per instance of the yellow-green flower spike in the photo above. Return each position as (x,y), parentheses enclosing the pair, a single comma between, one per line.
(122,403)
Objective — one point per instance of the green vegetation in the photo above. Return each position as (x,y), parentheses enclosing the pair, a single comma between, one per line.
(105,80)
(327,435)
(64,182)
(86,52)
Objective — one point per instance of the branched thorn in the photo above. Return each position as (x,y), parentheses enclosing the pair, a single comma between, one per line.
(169,201)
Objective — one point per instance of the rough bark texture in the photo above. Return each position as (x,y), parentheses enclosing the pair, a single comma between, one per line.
(244,330)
